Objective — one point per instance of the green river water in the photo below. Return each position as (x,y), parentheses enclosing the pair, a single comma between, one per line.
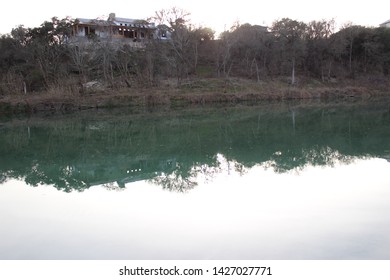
(272,181)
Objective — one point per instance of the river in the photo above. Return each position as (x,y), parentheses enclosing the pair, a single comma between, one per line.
(271,181)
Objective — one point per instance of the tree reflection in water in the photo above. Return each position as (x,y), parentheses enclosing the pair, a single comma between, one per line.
(178,150)
(185,179)
(318,156)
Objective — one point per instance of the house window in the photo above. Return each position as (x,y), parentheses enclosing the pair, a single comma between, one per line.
(89,30)
(129,33)
(142,34)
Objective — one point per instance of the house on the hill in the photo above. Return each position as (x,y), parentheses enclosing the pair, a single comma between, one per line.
(385,24)
(119,30)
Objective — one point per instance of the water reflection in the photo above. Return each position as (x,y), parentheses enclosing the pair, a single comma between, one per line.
(182,182)
(174,150)
(243,183)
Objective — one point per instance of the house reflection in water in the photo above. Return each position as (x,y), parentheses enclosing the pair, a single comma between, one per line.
(123,170)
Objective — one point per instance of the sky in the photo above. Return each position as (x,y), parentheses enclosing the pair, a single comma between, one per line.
(329,212)
(219,15)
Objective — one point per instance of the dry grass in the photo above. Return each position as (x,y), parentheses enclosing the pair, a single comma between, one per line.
(67,97)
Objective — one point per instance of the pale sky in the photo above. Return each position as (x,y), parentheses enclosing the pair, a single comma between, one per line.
(218,15)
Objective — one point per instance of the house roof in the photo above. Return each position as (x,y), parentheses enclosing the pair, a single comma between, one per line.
(84,20)
(132,22)
(119,22)
(126,20)
(92,21)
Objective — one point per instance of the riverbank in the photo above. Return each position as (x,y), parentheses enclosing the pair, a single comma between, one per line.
(202,91)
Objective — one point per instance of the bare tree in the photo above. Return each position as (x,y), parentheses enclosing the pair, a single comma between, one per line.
(177,50)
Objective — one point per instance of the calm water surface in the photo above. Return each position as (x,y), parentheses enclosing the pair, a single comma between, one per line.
(285,181)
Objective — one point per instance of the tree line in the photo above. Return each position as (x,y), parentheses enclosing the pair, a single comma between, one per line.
(43,59)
